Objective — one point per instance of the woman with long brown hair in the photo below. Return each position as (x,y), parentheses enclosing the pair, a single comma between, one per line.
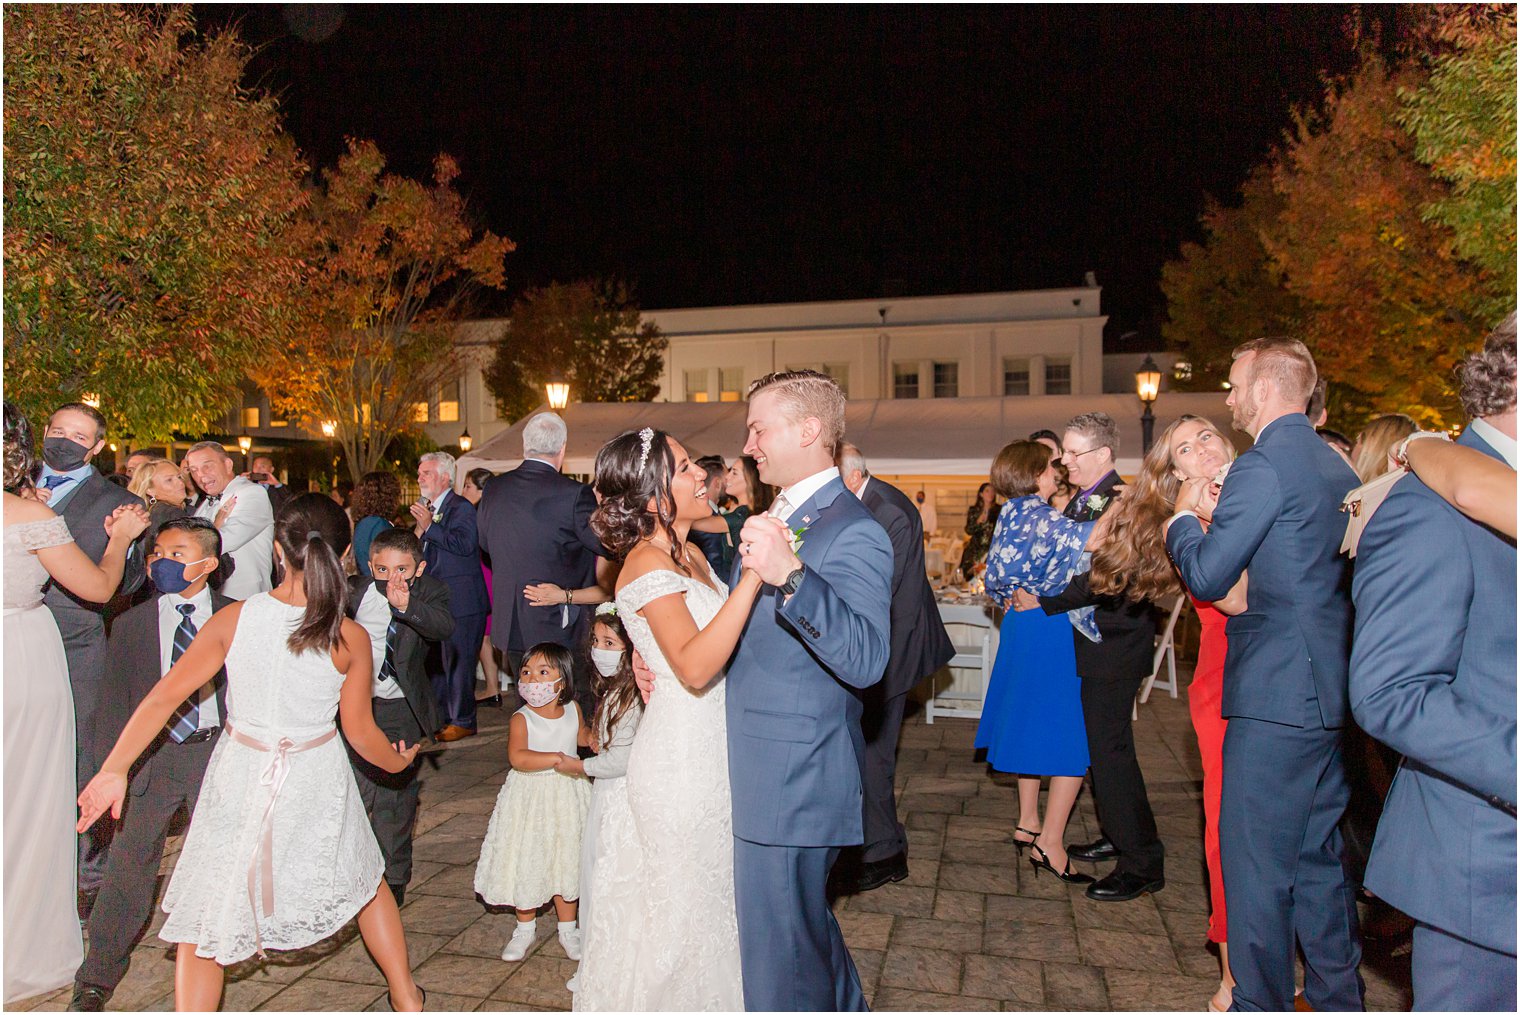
(1133,562)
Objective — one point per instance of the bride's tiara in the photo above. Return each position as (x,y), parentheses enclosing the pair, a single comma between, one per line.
(646,440)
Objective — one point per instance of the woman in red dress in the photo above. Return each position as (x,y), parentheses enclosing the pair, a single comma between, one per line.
(1134,562)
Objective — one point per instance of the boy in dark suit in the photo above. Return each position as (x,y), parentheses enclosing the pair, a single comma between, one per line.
(145,641)
(403,611)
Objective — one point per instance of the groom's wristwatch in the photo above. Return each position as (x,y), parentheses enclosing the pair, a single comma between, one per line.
(793,582)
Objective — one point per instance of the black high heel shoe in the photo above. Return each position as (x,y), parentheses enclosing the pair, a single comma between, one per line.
(1042,862)
(1020,843)
(491,701)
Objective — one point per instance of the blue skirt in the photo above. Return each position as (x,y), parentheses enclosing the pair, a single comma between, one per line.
(1032,716)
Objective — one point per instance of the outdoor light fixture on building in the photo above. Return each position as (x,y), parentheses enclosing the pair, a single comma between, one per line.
(1147,386)
(466,442)
(558,390)
(329,428)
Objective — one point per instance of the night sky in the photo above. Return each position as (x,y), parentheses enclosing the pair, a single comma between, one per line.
(733,155)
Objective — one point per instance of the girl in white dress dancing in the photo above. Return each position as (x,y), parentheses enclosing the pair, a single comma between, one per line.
(532,850)
(280,853)
(665,936)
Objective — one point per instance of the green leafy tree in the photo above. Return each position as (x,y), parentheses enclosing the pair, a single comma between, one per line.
(589,332)
(392,265)
(149,198)
(1463,122)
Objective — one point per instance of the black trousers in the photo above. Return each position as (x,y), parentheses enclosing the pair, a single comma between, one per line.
(170,780)
(1124,809)
(881,722)
(391,798)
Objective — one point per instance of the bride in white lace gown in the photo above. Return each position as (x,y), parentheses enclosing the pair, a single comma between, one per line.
(664,935)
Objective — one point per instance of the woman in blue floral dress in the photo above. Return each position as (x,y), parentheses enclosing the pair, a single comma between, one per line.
(1032,717)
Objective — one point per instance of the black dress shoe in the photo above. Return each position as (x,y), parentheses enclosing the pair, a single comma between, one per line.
(88,997)
(1101,849)
(492,701)
(1121,886)
(878,872)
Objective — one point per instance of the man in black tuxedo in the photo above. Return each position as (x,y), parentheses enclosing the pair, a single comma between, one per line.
(1111,671)
(405,612)
(261,471)
(920,646)
(714,545)
(144,643)
(535,525)
(73,488)
(446,526)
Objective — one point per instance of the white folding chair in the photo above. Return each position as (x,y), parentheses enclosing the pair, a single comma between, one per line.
(1166,651)
(974,634)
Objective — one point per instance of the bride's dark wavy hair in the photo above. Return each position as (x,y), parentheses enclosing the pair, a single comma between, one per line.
(20,453)
(624,489)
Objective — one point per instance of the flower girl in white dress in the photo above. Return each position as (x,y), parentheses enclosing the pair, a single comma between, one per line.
(280,853)
(531,854)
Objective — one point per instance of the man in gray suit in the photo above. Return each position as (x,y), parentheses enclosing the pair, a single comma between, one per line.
(73,488)
(920,646)
(1433,676)
(1278,517)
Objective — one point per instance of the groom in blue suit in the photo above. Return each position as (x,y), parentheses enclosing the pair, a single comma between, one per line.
(1278,519)
(819,634)
(1433,676)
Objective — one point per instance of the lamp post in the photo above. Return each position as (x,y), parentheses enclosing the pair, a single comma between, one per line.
(1147,386)
(245,445)
(558,390)
(330,430)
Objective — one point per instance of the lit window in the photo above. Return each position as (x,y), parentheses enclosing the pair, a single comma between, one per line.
(696,385)
(448,403)
(251,417)
(905,380)
(278,421)
(1015,377)
(730,384)
(419,412)
(947,383)
(1057,378)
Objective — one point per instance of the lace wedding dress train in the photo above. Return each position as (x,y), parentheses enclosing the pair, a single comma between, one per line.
(664,936)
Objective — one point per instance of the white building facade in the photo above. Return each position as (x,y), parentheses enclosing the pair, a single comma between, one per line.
(1009,343)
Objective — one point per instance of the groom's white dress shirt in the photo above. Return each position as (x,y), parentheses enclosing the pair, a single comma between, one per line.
(799,492)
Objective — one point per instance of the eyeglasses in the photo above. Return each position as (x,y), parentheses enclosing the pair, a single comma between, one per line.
(1069,453)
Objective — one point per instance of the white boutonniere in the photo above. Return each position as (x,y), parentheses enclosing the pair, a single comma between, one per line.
(437,515)
(1096,502)
(1224,470)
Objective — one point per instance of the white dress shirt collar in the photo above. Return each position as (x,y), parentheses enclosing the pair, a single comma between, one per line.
(168,622)
(801,491)
(1496,439)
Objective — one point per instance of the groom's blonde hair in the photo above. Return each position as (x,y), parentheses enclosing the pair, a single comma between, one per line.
(808,393)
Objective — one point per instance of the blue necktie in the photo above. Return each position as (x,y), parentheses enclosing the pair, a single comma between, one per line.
(55,481)
(188,717)
(388,665)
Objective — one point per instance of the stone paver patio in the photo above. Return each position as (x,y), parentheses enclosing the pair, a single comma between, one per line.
(971,929)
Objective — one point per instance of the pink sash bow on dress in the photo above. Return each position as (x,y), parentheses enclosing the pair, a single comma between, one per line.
(261,865)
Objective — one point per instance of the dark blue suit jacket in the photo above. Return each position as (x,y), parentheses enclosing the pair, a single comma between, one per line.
(920,644)
(535,525)
(453,557)
(1279,515)
(1433,676)
(794,740)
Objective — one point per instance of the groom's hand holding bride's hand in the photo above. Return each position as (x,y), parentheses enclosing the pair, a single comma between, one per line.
(765,544)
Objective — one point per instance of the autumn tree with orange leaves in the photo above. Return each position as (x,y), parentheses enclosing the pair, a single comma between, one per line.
(1381,232)
(392,265)
(148,202)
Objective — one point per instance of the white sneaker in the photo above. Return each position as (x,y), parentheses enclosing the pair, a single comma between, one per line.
(522,939)
(570,941)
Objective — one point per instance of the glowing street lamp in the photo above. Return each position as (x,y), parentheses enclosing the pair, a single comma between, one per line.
(558,390)
(329,428)
(1147,386)
(466,442)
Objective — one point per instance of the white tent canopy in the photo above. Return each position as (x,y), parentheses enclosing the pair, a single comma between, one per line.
(899,437)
